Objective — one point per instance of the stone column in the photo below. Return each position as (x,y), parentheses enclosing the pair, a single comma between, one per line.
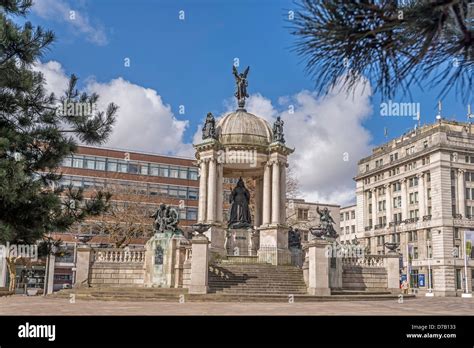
(211,185)
(318,268)
(267,194)
(392,265)
(421,195)
(276,193)
(461,193)
(374,206)
(199,265)
(50,272)
(388,198)
(258,202)
(220,192)
(3,270)
(202,191)
(404,199)
(83,263)
(283,193)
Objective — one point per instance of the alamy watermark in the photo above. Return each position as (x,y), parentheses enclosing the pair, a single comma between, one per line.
(344,250)
(26,251)
(237,157)
(392,108)
(76,109)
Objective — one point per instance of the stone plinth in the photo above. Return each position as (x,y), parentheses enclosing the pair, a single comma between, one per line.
(240,242)
(3,272)
(199,265)
(160,259)
(274,245)
(318,267)
(392,266)
(83,262)
(216,237)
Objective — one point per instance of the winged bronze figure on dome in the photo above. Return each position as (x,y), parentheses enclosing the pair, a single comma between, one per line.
(241,81)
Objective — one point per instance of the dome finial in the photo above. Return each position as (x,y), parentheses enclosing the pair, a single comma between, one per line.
(241,81)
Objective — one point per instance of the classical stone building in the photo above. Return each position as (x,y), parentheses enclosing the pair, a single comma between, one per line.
(348,224)
(418,190)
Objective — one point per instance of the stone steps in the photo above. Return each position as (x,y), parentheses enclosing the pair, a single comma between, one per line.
(256,279)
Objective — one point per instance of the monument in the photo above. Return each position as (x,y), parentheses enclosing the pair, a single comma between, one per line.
(243,145)
(161,248)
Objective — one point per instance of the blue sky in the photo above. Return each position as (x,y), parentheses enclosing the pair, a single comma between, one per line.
(188,62)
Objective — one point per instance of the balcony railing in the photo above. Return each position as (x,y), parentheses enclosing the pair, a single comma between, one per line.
(457,216)
(368,228)
(427,218)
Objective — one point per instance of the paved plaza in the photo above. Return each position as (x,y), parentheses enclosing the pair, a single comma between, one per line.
(23,305)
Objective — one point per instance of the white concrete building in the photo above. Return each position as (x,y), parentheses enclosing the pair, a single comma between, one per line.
(348,224)
(418,190)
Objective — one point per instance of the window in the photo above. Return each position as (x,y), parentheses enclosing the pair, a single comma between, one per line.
(302,214)
(100,164)
(183,173)
(111,166)
(366,167)
(410,150)
(89,163)
(413,181)
(397,186)
(428,193)
(397,202)
(164,171)
(77,162)
(341,217)
(415,253)
(353,229)
(397,217)
(456,233)
(347,215)
(193,174)
(347,229)
(193,193)
(191,214)
(174,172)
(122,166)
(413,197)
(414,214)
(428,176)
(133,168)
(353,214)
(370,208)
(428,234)
(393,156)
(144,168)
(425,144)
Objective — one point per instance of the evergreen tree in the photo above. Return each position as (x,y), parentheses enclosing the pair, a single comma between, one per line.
(36,136)
(393,43)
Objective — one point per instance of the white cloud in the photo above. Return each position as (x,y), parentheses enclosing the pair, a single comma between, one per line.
(61,11)
(144,121)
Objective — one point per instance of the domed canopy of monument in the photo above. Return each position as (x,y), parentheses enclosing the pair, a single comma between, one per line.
(243,128)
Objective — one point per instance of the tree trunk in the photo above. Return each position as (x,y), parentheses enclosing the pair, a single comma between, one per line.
(11,265)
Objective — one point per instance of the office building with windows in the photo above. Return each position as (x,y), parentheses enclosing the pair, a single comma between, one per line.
(348,223)
(418,190)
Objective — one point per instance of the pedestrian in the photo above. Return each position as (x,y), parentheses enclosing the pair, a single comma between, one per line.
(405,286)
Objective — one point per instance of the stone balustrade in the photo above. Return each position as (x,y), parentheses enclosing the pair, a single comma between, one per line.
(370,261)
(119,256)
